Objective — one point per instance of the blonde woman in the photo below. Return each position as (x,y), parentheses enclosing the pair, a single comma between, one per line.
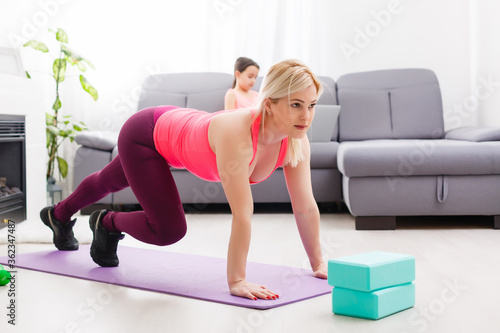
(237,148)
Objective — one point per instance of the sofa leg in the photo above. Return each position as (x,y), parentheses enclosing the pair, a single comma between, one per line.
(496,222)
(376,222)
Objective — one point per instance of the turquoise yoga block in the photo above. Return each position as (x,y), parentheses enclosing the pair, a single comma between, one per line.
(371,270)
(373,305)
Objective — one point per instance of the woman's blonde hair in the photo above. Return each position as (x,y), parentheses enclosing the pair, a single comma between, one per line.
(283,79)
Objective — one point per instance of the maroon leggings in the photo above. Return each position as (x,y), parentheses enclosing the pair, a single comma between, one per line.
(140,166)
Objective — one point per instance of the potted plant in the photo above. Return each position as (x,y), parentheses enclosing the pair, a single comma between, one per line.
(58,127)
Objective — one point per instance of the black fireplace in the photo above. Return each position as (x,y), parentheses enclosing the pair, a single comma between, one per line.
(12,169)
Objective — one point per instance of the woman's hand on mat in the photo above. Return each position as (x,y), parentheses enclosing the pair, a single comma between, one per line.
(321,271)
(251,291)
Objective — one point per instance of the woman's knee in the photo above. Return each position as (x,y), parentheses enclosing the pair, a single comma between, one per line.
(169,236)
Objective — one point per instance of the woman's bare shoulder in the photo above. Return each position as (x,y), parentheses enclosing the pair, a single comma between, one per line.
(231,126)
(232,121)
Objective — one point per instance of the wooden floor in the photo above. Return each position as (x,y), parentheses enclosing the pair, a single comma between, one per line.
(457,265)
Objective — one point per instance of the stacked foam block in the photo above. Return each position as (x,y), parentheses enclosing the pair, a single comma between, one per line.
(372,285)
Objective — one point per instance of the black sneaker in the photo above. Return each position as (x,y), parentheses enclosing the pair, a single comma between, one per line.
(64,239)
(104,244)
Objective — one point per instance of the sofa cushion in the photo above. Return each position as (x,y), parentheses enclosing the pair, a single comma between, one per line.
(415,117)
(210,101)
(175,88)
(152,98)
(474,133)
(324,155)
(390,104)
(418,157)
(185,83)
(102,140)
(329,95)
(364,117)
(324,127)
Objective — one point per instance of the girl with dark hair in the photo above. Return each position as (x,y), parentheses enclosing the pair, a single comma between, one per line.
(241,94)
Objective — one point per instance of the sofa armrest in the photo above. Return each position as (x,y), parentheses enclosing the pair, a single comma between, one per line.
(102,140)
(474,133)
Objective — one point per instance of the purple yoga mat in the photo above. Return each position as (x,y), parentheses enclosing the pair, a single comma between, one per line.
(179,274)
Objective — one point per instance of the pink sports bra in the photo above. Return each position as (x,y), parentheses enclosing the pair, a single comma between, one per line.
(181,137)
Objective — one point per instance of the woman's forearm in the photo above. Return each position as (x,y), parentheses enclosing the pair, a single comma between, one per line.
(239,244)
(308,226)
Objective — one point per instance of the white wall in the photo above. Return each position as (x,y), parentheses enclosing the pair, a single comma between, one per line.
(126,40)
(421,34)
(487,59)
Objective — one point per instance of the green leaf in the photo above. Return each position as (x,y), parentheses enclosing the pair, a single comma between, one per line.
(81,125)
(81,66)
(37,45)
(59,68)
(71,60)
(54,130)
(63,166)
(61,36)
(88,88)
(76,59)
(91,65)
(66,50)
(57,104)
(71,56)
(28,75)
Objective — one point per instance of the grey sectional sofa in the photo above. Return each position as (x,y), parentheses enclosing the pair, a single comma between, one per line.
(397,160)
(389,156)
